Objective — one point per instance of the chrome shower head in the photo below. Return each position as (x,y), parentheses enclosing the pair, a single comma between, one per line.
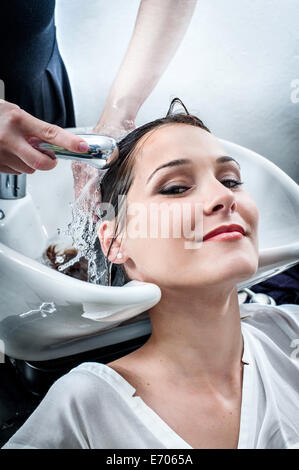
(101,148)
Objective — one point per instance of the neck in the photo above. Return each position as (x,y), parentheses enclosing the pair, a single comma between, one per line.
(198,335)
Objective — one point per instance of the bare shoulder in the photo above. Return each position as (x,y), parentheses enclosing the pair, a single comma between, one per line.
(133,369)
(127,366)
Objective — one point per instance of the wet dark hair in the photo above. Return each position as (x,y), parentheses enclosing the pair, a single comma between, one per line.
(120,175)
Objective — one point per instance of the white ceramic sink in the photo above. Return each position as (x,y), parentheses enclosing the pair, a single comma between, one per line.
(45,314)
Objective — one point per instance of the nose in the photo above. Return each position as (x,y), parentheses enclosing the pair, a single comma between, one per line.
(220,199)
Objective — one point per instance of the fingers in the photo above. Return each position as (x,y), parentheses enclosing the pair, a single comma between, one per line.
(32,157)
(13,162)
(7,170)
(51,133)
(35,142)
(17,127)
(25,159)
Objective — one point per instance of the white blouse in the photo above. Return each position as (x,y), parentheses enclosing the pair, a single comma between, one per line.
(93,406)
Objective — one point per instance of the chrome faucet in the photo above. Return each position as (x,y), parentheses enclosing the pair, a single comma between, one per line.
(12,186)
(101,148)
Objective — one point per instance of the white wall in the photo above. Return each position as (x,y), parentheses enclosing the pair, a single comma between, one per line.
(234,68)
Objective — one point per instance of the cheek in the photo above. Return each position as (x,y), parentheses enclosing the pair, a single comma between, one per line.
(250,214)
(157,221)
(155,239)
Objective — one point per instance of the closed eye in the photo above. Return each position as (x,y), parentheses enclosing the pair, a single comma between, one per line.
(235,183)
(178,188)
(175,189)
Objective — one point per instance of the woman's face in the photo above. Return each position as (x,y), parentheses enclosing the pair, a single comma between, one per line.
(170,209)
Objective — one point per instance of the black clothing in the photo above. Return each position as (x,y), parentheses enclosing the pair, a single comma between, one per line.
(31,66)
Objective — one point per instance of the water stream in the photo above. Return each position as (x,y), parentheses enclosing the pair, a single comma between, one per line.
(83,258)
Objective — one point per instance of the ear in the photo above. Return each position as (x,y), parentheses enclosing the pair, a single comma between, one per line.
(106,235)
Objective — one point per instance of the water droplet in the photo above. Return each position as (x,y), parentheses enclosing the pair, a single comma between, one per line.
(46,308)
(82,231)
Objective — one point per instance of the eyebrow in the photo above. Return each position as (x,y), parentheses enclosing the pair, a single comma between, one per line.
(184,161)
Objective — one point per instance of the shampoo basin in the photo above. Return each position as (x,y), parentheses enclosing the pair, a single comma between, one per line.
(45,314)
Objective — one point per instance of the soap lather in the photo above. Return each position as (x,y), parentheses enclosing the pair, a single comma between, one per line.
(101,149)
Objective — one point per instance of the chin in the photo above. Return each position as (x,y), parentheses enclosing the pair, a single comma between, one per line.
(243,269)
(234,269)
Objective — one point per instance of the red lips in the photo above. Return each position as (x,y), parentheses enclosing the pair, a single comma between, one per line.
(224,228)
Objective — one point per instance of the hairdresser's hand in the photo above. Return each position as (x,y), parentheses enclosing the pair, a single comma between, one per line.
(111,127)
(87,192)
(20,134)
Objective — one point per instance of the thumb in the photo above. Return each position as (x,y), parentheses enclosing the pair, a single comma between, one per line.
(53,134)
